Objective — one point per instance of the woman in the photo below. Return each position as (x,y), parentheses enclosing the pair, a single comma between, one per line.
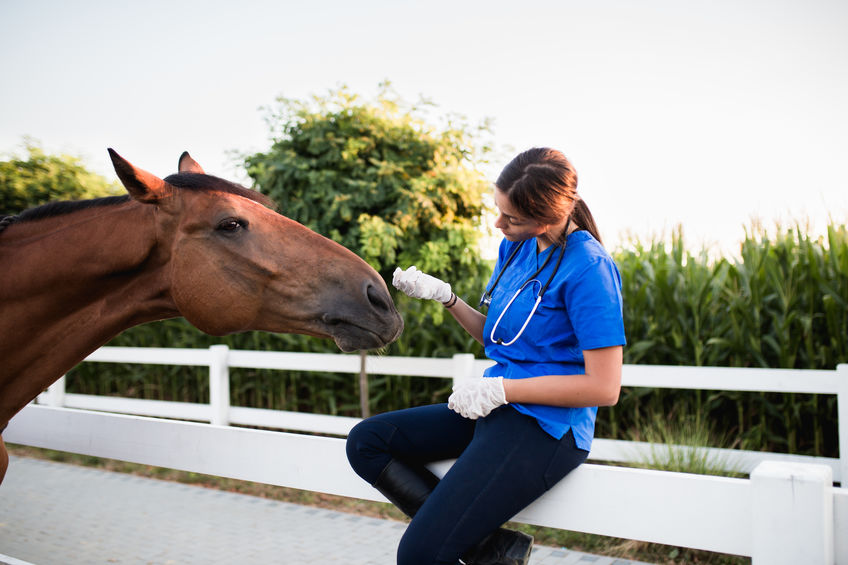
(554,329)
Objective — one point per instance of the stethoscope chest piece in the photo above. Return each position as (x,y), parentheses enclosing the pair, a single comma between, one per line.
(486,299)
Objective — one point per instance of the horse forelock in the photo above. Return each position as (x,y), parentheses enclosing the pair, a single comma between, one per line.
(196,181)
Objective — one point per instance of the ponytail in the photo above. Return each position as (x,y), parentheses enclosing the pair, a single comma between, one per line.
(584,220)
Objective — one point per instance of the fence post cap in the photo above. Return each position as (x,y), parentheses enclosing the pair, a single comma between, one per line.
(792,514)
(806,472)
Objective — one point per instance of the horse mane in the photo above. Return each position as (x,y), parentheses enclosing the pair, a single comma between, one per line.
(60,208)
(186,181)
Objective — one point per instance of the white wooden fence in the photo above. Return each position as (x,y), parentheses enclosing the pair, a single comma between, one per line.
(788,511)
(219,359)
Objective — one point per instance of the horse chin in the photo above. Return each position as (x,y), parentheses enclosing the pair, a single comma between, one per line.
(346,347)
(350,337)
(347,342)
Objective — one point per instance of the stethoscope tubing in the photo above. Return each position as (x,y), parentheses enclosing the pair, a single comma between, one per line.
(486,299)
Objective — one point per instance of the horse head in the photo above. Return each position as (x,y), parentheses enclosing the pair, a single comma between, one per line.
(234,264)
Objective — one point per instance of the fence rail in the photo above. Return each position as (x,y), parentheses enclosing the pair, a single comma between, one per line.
(219,359)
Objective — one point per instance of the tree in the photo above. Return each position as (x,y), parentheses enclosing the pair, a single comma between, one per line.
(376,177)
(41,178)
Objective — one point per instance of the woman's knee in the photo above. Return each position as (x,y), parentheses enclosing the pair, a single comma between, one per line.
(367,448)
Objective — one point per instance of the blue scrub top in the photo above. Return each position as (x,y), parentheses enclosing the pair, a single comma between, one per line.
(581,309)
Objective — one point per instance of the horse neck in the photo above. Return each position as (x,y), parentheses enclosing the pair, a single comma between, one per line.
(68,285)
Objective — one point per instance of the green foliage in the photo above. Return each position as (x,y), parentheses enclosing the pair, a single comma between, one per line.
(39,178)
(396,190)
(672,301)
(378,180)
(782,304)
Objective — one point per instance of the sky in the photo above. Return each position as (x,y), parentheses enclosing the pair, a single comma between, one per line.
(710,115)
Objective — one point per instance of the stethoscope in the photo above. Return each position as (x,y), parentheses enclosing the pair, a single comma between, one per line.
(486,299)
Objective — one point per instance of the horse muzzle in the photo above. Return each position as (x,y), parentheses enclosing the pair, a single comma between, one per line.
(364,324)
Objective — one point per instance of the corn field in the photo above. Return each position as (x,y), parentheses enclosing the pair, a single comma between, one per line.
(783,303)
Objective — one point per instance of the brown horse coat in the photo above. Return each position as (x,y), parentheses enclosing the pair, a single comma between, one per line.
(77,274)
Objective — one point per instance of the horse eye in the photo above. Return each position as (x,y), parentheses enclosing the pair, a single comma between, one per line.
(231,225)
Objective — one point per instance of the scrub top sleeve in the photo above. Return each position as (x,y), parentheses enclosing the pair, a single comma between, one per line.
(594,305)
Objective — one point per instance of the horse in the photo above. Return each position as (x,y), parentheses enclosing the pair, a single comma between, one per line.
(76,274)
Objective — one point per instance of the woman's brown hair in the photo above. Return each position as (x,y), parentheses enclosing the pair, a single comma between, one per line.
(542,184)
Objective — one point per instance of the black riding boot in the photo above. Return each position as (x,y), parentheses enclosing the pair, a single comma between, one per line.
(407,488)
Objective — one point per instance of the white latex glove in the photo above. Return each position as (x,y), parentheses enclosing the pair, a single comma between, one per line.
(475,398)
(421,285)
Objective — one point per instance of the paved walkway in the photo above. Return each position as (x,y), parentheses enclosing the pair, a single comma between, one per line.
(54,513)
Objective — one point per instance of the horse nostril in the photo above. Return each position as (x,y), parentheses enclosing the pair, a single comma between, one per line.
(375,297)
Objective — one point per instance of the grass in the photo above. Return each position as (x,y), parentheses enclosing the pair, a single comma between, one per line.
(600,545)
(678,446)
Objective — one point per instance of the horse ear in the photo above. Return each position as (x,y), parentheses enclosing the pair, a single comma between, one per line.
(189,165)
(142,186)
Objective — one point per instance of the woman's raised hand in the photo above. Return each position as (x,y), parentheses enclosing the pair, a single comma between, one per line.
(417,284)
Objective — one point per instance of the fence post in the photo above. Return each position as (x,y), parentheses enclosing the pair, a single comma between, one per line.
(56,393)
(364,394)
(463,367)
(792,514)
(219,384)
(842,421)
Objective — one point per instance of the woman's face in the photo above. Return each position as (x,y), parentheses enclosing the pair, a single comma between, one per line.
(513,225)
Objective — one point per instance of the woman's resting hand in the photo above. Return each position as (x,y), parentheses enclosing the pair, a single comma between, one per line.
(475,398)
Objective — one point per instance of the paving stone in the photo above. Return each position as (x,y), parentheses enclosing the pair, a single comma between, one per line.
(58,514)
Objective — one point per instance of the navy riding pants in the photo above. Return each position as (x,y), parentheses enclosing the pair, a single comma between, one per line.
(503,463)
